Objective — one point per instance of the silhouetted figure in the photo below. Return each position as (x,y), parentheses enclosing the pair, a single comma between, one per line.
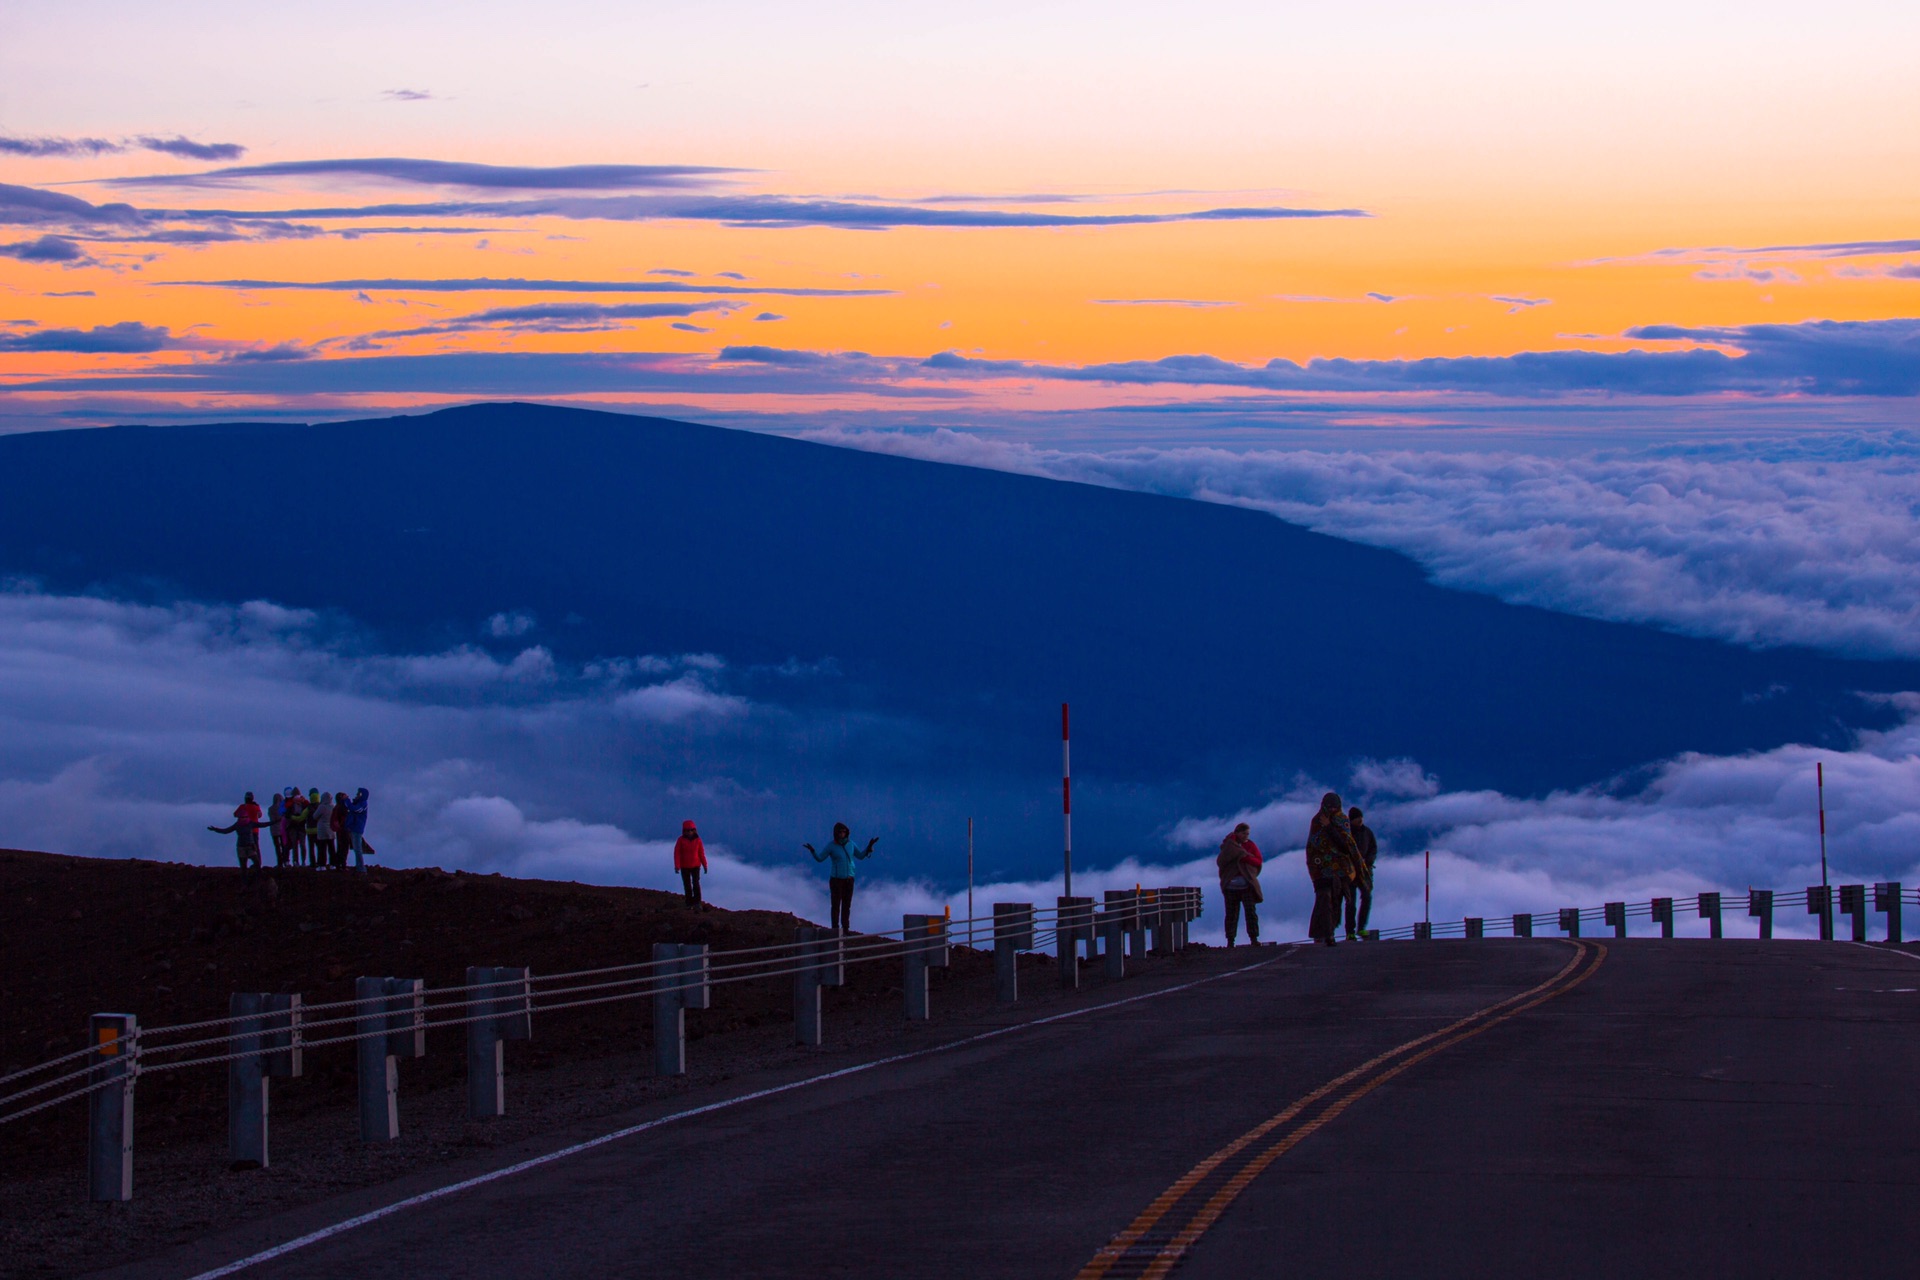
(1331,861)
(1239,864)
(1360,888)
(245,829)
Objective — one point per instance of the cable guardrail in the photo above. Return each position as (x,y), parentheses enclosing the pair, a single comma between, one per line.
(267,1035)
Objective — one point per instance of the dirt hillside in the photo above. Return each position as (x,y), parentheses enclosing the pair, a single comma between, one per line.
(170,942)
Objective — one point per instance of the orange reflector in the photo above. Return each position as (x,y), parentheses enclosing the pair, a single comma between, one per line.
(109,1041)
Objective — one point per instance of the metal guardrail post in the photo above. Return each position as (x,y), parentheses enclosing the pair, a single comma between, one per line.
(1522,925)
(1422,931)
(1570,921)
(1137,900)
(1476,927)
(1820,903)
(247,1080)
(115,1038)
(823,964)
(1073,920)
(926,948)
(286,1058)
(1886,897)
(1760,904)
(1615,914)
(1663,916)
(680,983)
(1116,921)
(379,1078)
(501,1010)
(1012,934)
(1709,910)
(1853,902)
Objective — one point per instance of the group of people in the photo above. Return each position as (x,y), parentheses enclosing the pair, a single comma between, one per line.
(1341,851)
(318,829)
(690,860)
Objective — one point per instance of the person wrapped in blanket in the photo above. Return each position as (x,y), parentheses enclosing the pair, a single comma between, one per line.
(1239,863)
(1333,863)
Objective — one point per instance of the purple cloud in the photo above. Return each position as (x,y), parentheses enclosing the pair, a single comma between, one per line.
(129,337)
(45,249)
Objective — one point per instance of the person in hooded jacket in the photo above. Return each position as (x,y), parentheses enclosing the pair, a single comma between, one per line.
(342,837)
(245,828)
(1332,862)
(839,857)
(1239,864)
(357,828)
(296,810)
(320,828)
(690,859)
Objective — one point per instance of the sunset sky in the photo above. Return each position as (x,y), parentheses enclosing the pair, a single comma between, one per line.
(710,209)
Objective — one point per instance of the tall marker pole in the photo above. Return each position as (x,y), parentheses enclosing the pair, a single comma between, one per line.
(1820,785)
(969,881)
(1429,907)
(1066,794)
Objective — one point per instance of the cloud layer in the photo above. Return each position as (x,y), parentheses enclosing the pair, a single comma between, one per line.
(1816,545)
(125,730)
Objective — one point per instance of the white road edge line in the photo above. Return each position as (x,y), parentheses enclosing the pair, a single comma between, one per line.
(1884,948)
(349,1224)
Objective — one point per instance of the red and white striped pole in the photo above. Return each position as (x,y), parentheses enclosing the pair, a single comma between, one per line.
(1066,794)
(1427,913)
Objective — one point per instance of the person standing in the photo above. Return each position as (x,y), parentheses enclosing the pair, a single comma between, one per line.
(357,828)
(690,859)
(1360,888)
(277,827)
(1239,864)
(320,828)
(296,810)
(341,836)
(840,855)
(1331,858)
(245,829)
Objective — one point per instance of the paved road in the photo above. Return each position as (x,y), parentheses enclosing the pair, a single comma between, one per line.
(1685,1107)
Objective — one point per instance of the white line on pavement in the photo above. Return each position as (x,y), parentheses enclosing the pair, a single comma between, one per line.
(361,1220)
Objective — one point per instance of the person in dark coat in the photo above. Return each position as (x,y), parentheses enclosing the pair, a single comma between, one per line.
(1239,864)
(1360,889)
(1332,858)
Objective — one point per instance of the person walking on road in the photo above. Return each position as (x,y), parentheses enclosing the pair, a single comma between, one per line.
(690,859)
(1239,864)
(840,855)
(1360,888)
(1331,859)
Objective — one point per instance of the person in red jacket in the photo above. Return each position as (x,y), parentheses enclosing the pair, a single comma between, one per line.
(247,821)
(690,859)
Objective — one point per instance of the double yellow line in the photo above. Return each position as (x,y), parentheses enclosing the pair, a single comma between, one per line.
(1148,1249)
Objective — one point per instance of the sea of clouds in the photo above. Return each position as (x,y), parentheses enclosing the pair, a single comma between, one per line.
(1767,541)
(123,727)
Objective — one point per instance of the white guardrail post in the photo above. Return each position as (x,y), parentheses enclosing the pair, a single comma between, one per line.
(1012,934)
(926,948)
(680,983)
(500,1006)
(822,964)
(1886,897)
(115,1038)
(390,1022)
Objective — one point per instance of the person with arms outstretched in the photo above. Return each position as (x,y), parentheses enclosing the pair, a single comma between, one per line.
(841,855)
(245,828)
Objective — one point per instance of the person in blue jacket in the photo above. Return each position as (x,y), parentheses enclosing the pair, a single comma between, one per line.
(841,854)
(357,830)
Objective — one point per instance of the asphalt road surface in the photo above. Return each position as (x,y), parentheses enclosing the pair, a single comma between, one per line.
(1440,1109)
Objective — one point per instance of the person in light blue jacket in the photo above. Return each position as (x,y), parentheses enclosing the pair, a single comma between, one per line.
(840,856)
